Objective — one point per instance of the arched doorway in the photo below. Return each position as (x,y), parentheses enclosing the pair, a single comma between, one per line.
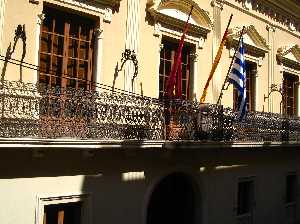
(172,201)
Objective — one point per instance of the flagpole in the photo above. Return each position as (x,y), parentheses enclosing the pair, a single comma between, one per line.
(226,78)
(216,61)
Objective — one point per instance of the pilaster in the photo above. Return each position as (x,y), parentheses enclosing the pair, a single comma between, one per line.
(217,35)
(39,22)
(98,55)
(132,40)
(2,20)
(271,64)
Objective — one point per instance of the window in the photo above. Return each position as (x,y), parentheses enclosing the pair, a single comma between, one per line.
(291,188)
(290,93)
(66,50)
(245,197)
(68,213)
(63,209)
(251,70)
(167,57)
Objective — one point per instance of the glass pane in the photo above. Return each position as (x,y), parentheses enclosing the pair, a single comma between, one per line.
(184,87)
(71,83)
(161,83)
(59,27)
(168,53)
(74,30)
(167,68)
(184,72)
(84,50)
(44,63)
(83,68)
(72,68)
(46,43)
(58,45)
(161,67)
(57,65)
(82,85)
(73,48)
(47,24)
(85,32)
(184,57)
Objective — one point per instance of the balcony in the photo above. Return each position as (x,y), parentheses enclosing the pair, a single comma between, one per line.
(37,111)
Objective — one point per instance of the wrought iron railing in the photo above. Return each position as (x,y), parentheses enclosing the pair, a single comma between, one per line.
(38,111)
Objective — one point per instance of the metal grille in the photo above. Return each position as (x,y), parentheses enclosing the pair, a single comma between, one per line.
(39,111)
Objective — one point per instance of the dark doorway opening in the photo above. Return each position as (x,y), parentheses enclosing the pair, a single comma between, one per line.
(172,201)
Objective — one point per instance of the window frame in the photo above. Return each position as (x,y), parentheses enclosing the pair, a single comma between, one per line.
(250,88)
(250,215)
(188,64)
(294,200)
(292,79)
(54,199)
(88,77)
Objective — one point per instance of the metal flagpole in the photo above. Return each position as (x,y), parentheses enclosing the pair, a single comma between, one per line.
(226,78)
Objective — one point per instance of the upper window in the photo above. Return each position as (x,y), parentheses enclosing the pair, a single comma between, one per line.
(66,50)
(66,213)
(251,69)
(290,92)
(167,58)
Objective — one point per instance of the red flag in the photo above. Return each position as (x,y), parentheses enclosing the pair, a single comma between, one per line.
(176,68)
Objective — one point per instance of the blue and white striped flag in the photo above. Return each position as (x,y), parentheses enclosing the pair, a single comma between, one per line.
(237,77)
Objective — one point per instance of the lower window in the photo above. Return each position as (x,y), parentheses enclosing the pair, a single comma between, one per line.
(69,209)
(66,213)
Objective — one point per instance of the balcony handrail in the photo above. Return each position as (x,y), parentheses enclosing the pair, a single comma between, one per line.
(39,111)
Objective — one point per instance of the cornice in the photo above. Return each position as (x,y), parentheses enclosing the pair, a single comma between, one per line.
(201,17)
(260,48)
(272,13)
(282,52)
(194,30)
(290,6)
(107,2)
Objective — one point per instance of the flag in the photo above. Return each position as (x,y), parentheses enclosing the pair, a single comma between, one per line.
(175,75)
(216,61)
(237,77)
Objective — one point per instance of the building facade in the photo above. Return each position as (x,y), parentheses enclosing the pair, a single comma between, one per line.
(85,138)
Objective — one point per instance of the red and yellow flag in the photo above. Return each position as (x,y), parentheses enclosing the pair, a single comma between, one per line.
(216,62)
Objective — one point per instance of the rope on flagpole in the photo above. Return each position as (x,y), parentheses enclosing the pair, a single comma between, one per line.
(229,69)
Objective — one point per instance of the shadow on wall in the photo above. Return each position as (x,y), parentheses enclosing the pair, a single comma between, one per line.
(20,33)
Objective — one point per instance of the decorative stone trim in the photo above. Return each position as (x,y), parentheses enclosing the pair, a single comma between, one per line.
(217,3)
(93,6)
(34,1)
(284,60)
(203,24)
(260,46)
(40,18)
(107,15)
(108,2)
(270,28)
(99,33)
(44,200)
(283,12)
(194,57)
(247,4)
